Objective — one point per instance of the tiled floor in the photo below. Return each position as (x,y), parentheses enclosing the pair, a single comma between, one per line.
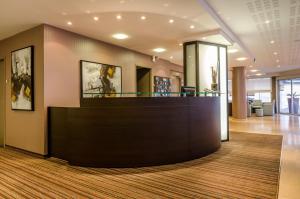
(289,127)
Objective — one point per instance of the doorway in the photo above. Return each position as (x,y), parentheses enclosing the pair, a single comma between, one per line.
(143,81)
(2,102)
(289,95)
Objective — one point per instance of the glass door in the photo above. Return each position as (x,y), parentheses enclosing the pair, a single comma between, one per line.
(296,96)
(285,90)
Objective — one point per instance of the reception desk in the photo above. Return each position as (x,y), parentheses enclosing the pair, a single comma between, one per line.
(135,132)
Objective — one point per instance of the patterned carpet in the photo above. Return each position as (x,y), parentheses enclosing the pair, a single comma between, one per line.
(245,167)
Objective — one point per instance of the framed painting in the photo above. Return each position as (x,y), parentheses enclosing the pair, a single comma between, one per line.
(100,80)
(22,87)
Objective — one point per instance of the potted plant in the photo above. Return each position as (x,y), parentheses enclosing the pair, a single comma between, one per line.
(293,102)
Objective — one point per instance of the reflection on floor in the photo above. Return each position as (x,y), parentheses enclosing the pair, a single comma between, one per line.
(289,127)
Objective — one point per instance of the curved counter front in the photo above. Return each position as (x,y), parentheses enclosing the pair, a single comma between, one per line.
(134,132)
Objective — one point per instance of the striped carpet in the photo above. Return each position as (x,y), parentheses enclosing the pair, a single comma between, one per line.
(245,167)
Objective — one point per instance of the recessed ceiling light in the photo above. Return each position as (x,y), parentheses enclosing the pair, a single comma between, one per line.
(171,57)
(143,17)
(204,38)
(267,21)
(119,17)
(181,44)
(69,23)
(192,27)
(120,36)
(254,71)
(166,5)
(259,74)
(232,51)
(122,1)
(241,58)
(278,66)
(96,18)
(64,13)
(250,66)
(277,60)
(171,21)
(275,53)
(159,50)
(272,42)
(88,12)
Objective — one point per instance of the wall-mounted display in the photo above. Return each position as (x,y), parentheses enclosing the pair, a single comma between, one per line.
(22,62)
(162,86)
(100,80)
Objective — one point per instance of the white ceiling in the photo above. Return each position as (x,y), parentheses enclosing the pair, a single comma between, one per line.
(246,18)
(257,22)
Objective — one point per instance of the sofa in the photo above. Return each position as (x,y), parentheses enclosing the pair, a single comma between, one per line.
(269,108)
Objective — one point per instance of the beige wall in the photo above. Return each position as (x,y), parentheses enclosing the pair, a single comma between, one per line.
(64,50)
(2,102)
(57,77)
(26,130)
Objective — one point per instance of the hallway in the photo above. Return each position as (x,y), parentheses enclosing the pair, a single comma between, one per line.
(289,127)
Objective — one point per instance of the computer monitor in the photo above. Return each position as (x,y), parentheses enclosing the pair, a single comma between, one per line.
(188,91)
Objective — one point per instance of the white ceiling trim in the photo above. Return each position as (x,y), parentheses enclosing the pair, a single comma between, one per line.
(227,30)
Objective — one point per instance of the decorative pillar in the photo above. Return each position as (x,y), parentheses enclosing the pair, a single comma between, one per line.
(239,93)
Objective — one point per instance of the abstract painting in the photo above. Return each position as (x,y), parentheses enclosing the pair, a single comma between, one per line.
(100,80)
(22,79)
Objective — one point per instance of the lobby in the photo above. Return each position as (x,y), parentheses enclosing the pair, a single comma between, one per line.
(149,99)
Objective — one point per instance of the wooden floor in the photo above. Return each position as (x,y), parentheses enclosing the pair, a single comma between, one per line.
(245,167)
(289,127)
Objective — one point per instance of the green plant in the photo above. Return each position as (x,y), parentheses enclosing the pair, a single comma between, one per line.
(294,95)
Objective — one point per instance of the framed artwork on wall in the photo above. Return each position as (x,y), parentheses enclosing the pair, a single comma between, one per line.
(162,86)
(100,80)
(22,84)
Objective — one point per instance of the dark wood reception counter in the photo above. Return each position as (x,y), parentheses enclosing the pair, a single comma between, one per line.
(134,132)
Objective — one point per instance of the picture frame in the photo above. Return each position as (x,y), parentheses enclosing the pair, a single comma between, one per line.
(22,79)
(98,80)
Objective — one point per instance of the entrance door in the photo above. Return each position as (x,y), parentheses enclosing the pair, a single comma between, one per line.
(143,81)
(2,101)
(289,95)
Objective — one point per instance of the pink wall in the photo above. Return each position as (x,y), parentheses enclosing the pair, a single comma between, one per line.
(64,50)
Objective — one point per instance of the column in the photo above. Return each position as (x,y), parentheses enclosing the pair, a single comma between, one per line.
(239,93)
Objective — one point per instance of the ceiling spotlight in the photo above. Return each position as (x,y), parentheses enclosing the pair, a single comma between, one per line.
(259,74)
(143,17)
(278,66)
(171,57)
(272,42)
(171,21)
(192,27)
(275,53)
(181,44)
(241,58)
(277,60)
(120,36)
(96,18)
(250,66)
(69,23)
(159,50)
(119,17)
(204,38)
(254,71)
(267,21)
(231,51)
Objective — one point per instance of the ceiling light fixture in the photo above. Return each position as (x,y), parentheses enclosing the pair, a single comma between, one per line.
(278,66)
(120,36)
(267,21)
(159,50)
(181,44)
(241,58)
(254,71)
(69,23)
(275,53)
(272,42)
(171,21)
(192,27)
(204,38)
(143,17)
(250,66)
(119,17)
(96,18)
(277,60)
(171,57)
(231,51)
(259,74)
